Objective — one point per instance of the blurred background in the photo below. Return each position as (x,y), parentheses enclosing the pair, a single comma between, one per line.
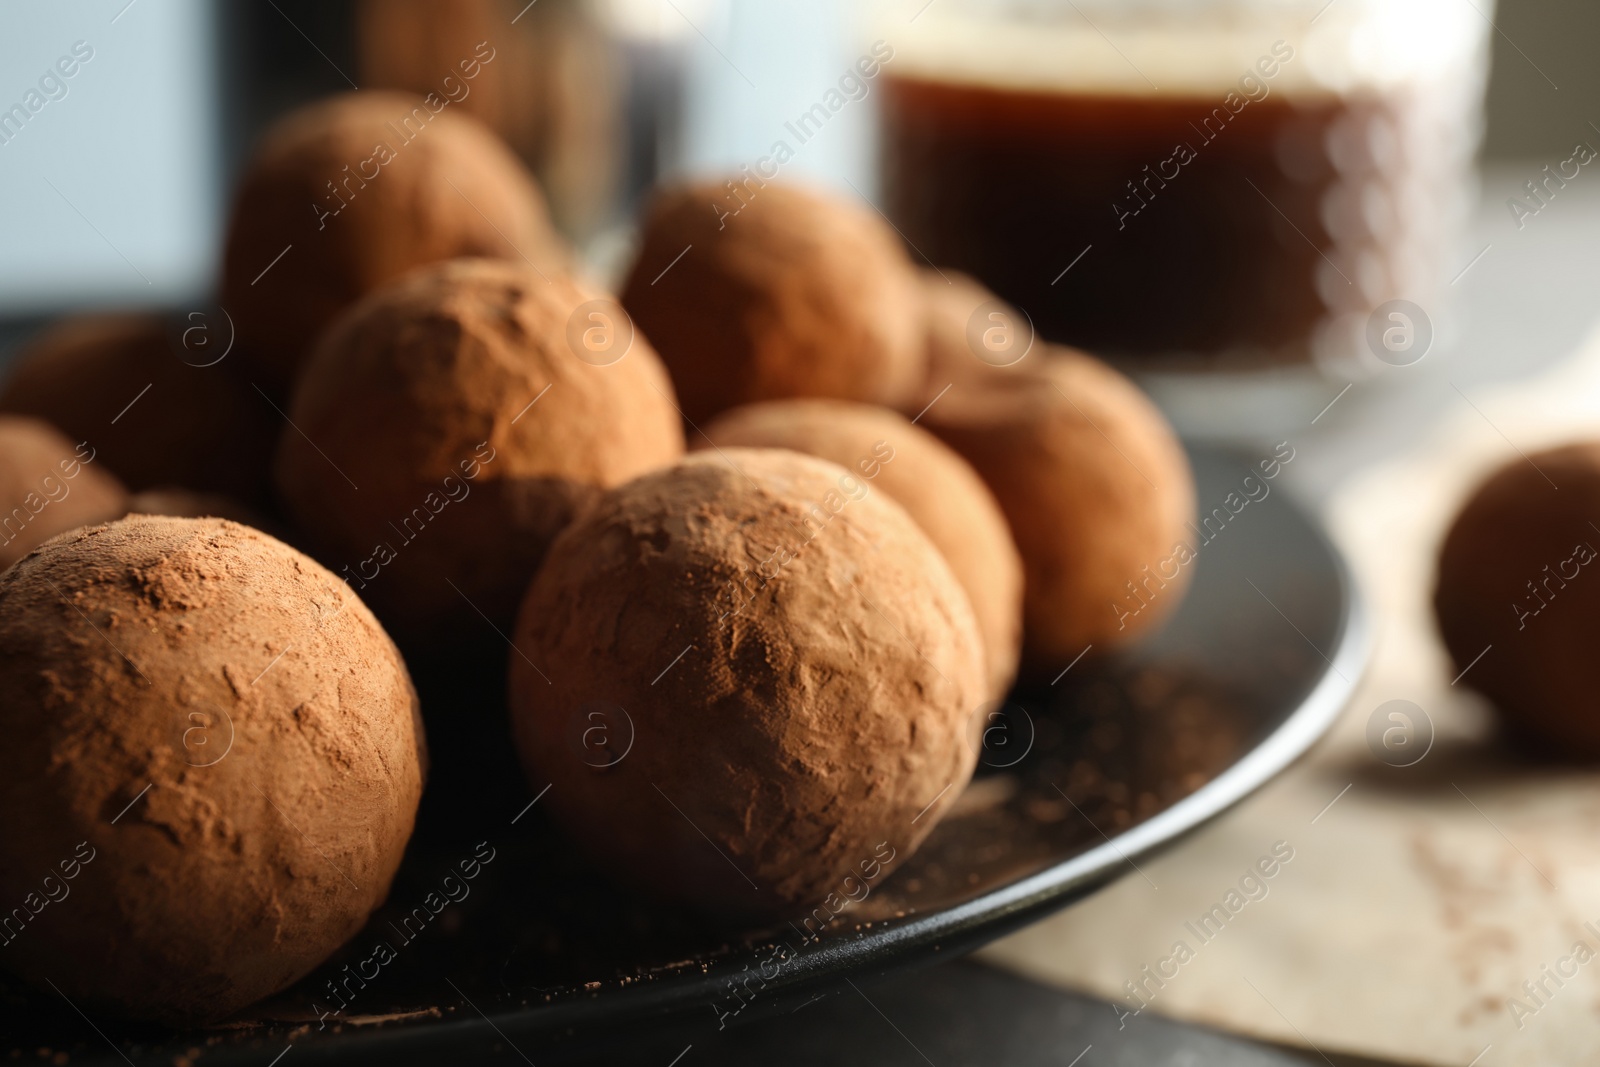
(118,184)
(619,90)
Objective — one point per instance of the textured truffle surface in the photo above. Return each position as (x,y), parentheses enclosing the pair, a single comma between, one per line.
(1096,488)
(223,737)
(122,383)
(937,488)
(798,295)
(794,669)
(48,485)
(365,187)
(1518,595)
(432,467)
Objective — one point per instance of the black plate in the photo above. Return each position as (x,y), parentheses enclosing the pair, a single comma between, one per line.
(1078,781)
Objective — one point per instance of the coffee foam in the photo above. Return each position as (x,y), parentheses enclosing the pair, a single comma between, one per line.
(1169,49)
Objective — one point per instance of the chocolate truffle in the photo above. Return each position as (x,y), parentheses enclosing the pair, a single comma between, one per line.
(148,395)
(353,192)
(430,396)
(212,764)
(937,487)
(783,665)
(1518,595)
(49,485)
(779,292)
(1098,494)
(971,334)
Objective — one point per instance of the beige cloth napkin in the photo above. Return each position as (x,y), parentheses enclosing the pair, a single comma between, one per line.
(1417,905)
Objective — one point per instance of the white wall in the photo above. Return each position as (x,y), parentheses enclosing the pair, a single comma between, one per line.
(792,52)
(131,150)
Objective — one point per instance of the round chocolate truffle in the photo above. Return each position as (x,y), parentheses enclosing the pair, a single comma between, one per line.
(1098,493)
(971,334)
(1518,595)
(49,485)
(212,764)
(426,459)
(353,192)
(779,292)
(746,680)
(150,397)
(938,488)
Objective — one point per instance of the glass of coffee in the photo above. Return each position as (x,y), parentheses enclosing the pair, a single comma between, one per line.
(1187,184)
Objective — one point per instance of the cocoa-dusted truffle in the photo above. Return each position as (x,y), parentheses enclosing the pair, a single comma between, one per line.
(1518,595)
(49,485)
(882,450)
(212,764)
(1098,494)
(775,661)
(971,334)
(792,294)
(428,462)
(148,394)
(355,191)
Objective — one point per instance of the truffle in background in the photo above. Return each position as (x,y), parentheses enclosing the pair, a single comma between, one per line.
(352,192)
(940,491)
(184,504)
(1098,493)
(213,746)
(1518,596)
(971,334)
(146,393)
(747,628)
(448,430)
(764,291)
(48,485)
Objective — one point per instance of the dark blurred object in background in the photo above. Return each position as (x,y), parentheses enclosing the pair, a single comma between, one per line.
(279,55)
(592,107)
(1243,184)
(552,91)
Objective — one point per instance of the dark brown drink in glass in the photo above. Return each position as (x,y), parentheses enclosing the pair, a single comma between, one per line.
(1148,226)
